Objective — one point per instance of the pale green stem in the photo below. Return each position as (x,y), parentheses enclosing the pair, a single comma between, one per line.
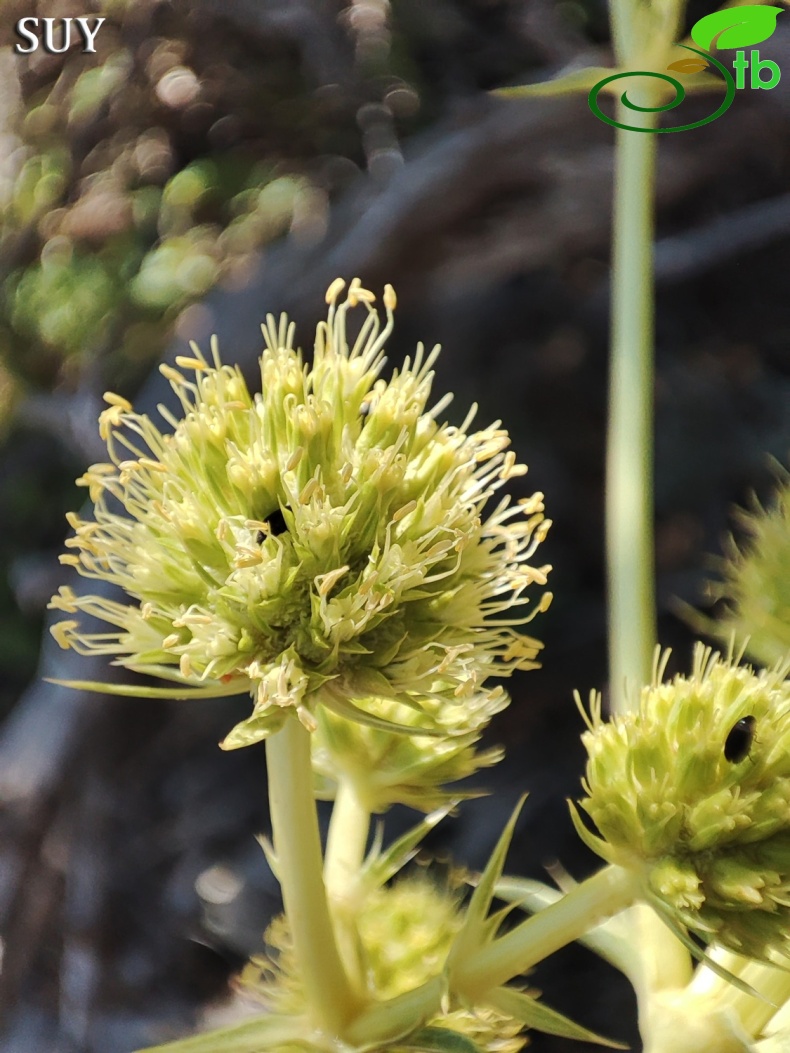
(664,962)
(623,29)
(629,474)
(771,982)
(587,904)
(345,843)
(297,846)
(345,851)
(629,470)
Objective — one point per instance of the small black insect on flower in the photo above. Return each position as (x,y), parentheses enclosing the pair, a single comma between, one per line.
(277,525)
(739,740)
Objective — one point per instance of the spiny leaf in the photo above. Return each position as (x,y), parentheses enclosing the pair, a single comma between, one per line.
(735,27)
(495,921)
(475,933)
(271,856)
(580,80)
(527,894)
(254,729)
(253,1036)
(698,953)
(380,866)
(144,691)
(241,684)
(594,843)
(704,82)
(534,1014)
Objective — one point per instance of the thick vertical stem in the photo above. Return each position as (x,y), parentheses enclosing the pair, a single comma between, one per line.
(629,471)
(345,851)
(297,846)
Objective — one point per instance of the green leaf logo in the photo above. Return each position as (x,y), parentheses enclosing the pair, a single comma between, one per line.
(688,65)
(737,27)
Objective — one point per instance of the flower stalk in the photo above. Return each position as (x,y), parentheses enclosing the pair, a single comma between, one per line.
(297,846)
(629,469)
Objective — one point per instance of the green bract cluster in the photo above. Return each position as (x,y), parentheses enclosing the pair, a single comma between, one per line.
(692,791)
(326,542)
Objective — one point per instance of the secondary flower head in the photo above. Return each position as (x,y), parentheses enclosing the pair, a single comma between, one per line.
(324,542)
(692,791)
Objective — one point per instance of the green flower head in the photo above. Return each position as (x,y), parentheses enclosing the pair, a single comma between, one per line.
(692,791)
(324,543)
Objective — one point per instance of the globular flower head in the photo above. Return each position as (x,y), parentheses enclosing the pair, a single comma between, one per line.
(325,542)
(692,791)
(755,583)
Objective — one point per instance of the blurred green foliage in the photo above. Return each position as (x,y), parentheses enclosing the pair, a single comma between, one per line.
(139,177)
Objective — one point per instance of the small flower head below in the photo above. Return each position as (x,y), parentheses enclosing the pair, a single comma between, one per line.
(406,930)
(326,541)
(693,792)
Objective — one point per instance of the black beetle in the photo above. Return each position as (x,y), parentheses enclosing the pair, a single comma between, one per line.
(739,740)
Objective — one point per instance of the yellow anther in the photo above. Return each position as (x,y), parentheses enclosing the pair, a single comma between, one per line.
(334,290)
(117,400)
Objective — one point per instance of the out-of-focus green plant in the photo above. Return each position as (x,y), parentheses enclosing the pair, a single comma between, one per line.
(754,582)
(139,177)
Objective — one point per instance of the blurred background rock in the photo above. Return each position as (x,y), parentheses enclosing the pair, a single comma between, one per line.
(212,162)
